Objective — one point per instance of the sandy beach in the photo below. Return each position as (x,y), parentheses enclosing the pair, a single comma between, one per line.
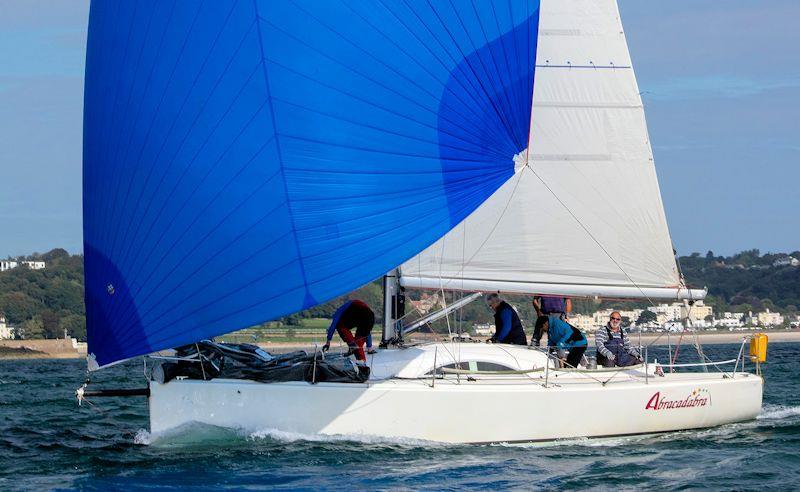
(706,338)
(61,349)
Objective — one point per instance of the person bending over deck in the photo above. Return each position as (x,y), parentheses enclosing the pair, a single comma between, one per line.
(353,314)
(614,348)
(560,306)
(560,334)
(508,327)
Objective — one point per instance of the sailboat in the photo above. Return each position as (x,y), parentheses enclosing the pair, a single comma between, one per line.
(247,160)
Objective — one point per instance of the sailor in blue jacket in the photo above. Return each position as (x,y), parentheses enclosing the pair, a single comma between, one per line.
(508,327)
(560,335)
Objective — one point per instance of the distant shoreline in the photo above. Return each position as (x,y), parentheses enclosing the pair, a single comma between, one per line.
(60,349)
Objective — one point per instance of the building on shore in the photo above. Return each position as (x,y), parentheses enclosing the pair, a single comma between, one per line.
(786,261)
(698,311)
(584,322)
(667,312)
(767,318)
(6,330)
(483,329)
(9,264)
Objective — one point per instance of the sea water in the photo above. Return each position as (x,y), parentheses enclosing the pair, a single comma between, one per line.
(48,442)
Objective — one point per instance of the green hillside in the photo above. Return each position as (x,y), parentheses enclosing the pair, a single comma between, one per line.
(45,303)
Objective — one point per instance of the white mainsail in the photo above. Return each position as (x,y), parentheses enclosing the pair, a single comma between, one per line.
(583,213)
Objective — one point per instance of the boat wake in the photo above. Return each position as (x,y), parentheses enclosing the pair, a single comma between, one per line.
(778,412)
(194,434)
(284,436)
(197,434)
(188,435)
(770,415)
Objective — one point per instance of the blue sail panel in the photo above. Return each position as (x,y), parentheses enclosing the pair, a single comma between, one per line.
(246,160)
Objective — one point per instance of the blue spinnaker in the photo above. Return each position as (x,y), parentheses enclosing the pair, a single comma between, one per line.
(246,160)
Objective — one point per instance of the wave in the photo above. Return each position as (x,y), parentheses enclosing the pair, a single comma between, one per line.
(190,434)
(285,436)
(778,412)
(142,437)
(589,442)
(197,434)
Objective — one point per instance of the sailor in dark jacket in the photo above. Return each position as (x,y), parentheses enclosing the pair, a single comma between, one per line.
(354,314)
(508,327)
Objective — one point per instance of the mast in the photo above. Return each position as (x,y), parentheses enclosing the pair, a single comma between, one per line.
(394,302)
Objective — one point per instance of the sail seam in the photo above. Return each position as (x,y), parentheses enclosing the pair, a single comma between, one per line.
(599,67)
(151,126)
(371,79)
(278,146)
(152,267)
(141,223)
(500,114)
(135,119)
(166,277)
(472,93)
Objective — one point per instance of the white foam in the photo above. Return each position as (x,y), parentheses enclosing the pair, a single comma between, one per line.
(142,437)
(285,436)
(189,434)
(777,412)
(589,442)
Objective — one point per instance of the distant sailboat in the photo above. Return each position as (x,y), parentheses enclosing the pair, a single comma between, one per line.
(247,160)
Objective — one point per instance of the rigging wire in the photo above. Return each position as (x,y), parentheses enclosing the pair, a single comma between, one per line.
(592,236)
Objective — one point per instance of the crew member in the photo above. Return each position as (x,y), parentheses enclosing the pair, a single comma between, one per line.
(356,315)
(560,335)
(614,348)
(560,306)
(508,327)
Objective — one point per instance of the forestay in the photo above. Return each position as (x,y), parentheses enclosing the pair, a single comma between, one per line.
(583,213)
(246,160)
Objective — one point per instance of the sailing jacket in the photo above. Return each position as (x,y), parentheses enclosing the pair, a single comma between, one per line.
(353,314)
(508,327)
(552,305)
(562,334)
(604,334)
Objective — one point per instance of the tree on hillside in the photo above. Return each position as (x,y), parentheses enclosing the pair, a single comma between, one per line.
(647,316)
(18,306)
(31,329)
(50,324)
(75,325)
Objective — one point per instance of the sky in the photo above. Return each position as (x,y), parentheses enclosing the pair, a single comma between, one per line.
(720,81)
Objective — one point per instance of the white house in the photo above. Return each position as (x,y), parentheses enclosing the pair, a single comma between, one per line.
(584,322)
(9,264)
(484,329)
(6,331)
(786,261)
(33,265)
(768,318)
(667,312)
(729,322)
(699,311)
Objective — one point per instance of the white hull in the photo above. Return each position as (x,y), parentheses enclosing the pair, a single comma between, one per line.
(459,411)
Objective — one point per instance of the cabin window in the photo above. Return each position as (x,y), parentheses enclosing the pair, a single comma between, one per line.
(473,365)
